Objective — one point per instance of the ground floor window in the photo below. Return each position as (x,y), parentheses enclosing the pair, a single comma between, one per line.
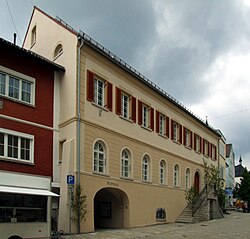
(161,214)
(22,208)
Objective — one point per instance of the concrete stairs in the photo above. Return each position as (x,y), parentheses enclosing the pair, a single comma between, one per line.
(185,216)
(205,207)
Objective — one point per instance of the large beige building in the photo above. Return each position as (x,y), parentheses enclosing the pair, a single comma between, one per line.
(134,148)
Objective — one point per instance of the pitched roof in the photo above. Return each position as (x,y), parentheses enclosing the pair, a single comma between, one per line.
(5,44)
(116,60)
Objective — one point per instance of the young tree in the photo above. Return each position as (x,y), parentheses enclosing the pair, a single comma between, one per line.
(79,207)
(212,178)
(244,187)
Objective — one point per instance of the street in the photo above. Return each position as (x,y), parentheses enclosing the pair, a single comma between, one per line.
(232,226)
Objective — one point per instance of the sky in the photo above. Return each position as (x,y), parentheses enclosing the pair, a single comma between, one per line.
(197,51)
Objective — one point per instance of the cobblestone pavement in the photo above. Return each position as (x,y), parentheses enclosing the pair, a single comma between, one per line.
(235,225)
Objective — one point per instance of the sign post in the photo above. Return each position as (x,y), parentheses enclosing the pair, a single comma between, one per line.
(70,182)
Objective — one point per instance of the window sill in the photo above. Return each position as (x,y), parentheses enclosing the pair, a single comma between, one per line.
(146,182)
(163,136)
(12,160)
(160,220)
(176,142)
(33,44)
(188,147)
(100,107)
(126,119)
(57,55)
(101,174)
(125,178)
(148,129)
(17,101)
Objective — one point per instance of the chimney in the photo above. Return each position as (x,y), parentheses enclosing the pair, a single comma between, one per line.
(14,38)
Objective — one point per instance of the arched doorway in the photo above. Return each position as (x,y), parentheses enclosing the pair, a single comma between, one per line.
(197,182)
(111,208)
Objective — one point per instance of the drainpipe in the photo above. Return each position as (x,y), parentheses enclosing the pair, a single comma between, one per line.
(78,124)
(78,110)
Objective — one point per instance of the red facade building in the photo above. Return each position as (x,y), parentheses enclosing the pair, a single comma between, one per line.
(27,127)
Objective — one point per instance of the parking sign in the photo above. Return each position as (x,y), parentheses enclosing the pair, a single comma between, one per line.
(70,179)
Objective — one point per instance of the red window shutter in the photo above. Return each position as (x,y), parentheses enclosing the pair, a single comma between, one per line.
(172,129)
(215,152)
(157,122)
(167,126)
(203,151)
(110,97)
(134,109)
(152,118)
(195,146)
(210,150)
(118,101)
(180,133)
(139,112)
(184,135)
(200,145)
(90,86)
(191,139)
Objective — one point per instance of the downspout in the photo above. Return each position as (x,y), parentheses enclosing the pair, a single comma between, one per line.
(78,125)
(78,109)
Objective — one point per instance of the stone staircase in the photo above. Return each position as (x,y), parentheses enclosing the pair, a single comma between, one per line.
(205,207)
(186,216)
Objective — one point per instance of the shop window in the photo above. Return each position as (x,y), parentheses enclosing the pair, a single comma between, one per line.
(22,208)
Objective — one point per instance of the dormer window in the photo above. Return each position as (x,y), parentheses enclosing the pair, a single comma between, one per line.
(33,36)
(58,51)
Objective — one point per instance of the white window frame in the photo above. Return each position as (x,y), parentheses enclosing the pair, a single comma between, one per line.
(187,178)
(162,124)
(19,135)
(99,96)
(99,158)
(198,143)
(126,163)
(146,168)
(175,131)
(188,137)
(145,116)
(125,107)
(21,79)
(163,169)
(176,175)
(206,148)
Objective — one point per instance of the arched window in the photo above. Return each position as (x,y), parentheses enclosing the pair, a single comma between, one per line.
(126,164)
(162,171)
(99,157)
(146,168)
(187,178)
(58,50)
(33,36)
(176,175)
